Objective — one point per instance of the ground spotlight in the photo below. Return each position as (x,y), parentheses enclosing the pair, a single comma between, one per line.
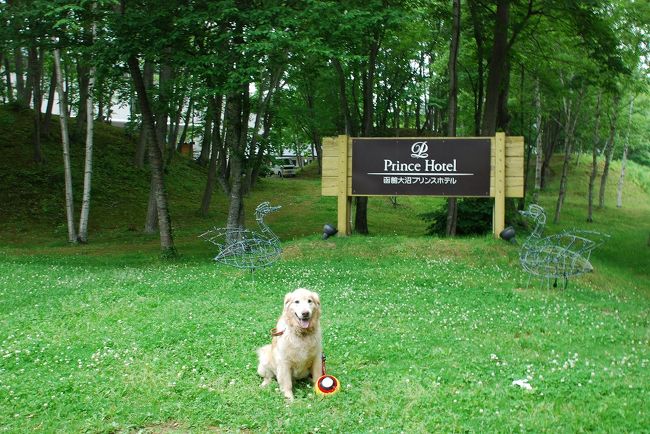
(508,234)
(328,231)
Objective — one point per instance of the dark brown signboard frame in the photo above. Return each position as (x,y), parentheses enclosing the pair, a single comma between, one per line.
(421,166)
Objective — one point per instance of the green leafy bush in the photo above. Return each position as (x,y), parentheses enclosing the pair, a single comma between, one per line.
(474,217)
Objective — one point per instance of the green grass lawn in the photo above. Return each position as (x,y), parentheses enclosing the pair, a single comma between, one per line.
(424,337)
(425,334)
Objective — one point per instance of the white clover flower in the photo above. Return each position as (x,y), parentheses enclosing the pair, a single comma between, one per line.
(523,383)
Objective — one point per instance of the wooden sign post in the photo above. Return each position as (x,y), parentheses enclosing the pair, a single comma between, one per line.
(433,166)
(344,199)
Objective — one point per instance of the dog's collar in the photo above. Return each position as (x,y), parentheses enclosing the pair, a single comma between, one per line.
(276,332)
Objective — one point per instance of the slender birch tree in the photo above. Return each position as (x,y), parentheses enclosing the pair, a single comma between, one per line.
(609,149)
(88,165)
(621,178)
(65,140)
(571,114)
(594,160)
(539,143)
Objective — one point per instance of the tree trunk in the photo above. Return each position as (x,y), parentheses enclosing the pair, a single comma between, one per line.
(88,164)
(2,63)
(480,68)
(10,91)
(21,90)
(621,179)
(34,65)
(101,98)
(609,151)
(155,161)
(452,203)
(172,138)
(186,122)
(151,219)
(109,108)
(361,214)
(165,83)
(317,150)
(260,117)
(550,140)
(313,129)
(594,161)
(83,79)
(266,131)
(429,114)
(343,99)
(571,116)
(356,117)
(47,119)
(215,107)
(503,116)
(204,156)
(497,69)
(368,84)
(144,139)
(141,148)
(236,124)
(563,180)
(539,149)
(522,111)
(418,115)
(69,89)
(223,171)
(65,139)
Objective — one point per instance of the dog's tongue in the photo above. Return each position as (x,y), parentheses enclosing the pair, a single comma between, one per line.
(304,323)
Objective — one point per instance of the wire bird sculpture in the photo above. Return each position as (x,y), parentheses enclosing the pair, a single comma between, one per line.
(243,248)
(562,255)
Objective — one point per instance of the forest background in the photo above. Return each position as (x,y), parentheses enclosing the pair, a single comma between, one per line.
(265,76)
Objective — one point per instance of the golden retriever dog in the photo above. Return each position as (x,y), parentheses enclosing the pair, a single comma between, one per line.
(295,350)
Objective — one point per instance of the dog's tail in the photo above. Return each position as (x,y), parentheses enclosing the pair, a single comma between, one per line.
(264,368)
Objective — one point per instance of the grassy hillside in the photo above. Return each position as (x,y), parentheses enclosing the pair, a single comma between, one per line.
(33,193)
(425,334)
(33,212)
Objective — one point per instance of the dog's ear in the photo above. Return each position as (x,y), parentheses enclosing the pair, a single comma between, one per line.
(316,298)
(287,299)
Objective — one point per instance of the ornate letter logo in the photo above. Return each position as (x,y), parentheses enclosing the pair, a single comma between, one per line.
(419,150)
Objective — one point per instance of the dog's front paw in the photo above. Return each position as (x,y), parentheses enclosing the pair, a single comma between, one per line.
(289,396)
(266,382)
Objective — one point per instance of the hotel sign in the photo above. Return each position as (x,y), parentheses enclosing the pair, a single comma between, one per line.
(421,166)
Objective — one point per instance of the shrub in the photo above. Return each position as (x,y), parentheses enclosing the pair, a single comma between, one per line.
(474,217)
